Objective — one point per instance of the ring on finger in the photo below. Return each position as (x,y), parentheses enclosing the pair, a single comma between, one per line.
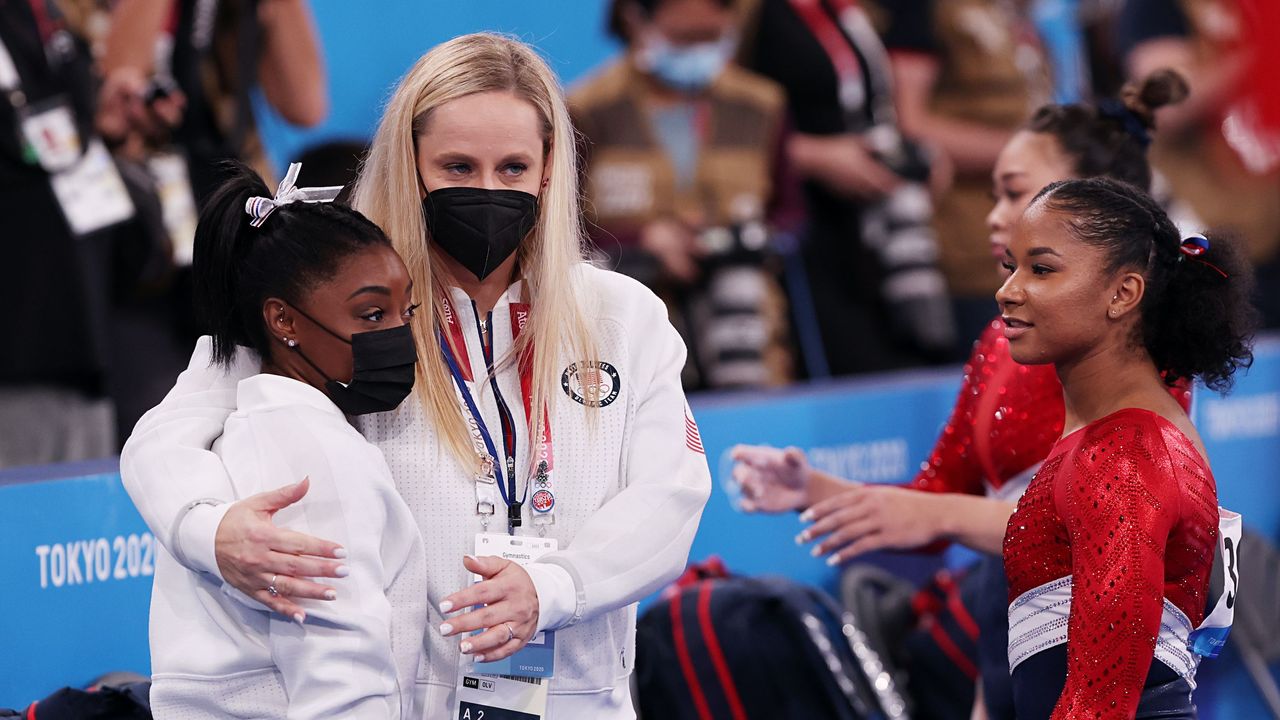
(271,587)
(511,634)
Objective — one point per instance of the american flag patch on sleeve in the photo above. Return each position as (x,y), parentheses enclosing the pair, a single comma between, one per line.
(692,438)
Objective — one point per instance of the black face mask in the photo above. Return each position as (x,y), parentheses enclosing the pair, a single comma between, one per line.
(383,363)
(479,228)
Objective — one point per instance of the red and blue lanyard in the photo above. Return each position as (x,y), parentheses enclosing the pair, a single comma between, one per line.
(540,457)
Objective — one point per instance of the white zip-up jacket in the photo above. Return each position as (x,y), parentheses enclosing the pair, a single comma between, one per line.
(216,653)
(629,489)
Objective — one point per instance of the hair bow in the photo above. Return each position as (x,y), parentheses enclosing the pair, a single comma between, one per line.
(259,208)
(1193,247)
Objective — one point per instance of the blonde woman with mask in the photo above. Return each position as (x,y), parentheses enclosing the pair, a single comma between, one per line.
(548,416)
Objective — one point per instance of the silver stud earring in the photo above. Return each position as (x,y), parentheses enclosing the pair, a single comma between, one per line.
(290,342)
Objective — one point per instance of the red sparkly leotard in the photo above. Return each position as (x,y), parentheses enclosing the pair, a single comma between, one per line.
(1109,552)
(1006,418)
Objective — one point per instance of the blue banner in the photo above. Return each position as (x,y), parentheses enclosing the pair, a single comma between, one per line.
(77,562)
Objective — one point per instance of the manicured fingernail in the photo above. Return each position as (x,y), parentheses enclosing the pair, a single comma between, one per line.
(816,551)
(465,647)
(299,618)
(802,538)
(479,658)
(806,516)
(341,571)
(446,629)
(446,606)
(833,560)
(340,553)
(330,595)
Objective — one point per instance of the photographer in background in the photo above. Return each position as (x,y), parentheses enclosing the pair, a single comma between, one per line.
(869,256)
(686,185)
(967,73)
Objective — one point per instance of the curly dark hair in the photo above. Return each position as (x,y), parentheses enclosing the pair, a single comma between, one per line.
(1196,323)
(1111,139)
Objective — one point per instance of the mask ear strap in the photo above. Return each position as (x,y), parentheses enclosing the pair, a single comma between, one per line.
(323,374)
(319,324)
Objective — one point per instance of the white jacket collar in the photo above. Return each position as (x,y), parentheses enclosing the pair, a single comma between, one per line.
(265,391)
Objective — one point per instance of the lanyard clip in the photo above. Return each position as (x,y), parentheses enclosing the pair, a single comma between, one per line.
(513,514)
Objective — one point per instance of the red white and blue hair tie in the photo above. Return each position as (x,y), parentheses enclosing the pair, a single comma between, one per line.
(259,208)
(1193,247)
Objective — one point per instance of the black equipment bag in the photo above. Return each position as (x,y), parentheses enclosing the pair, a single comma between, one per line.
(769,648)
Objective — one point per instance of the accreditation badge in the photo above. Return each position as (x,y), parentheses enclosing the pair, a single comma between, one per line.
(49,133)
(491,697)
(177,203)
(513,688)
(91,192)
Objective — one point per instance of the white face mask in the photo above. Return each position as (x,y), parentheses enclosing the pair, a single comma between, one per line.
(687,68)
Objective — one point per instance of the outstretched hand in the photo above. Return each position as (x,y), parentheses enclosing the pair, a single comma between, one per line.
(772,480)
(864,518)
(254,555)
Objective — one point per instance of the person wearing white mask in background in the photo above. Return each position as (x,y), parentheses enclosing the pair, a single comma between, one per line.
(525,347)
(685,183)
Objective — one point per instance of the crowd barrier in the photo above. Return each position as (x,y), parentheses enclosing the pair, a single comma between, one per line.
(77,560)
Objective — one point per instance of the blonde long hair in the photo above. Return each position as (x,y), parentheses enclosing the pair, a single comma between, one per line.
(387,193)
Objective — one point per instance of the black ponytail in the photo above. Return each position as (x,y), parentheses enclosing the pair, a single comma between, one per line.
(1197,319)
(1111,140)
(236,267)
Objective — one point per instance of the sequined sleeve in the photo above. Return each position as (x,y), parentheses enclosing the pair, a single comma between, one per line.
(953,466)
(1118,498)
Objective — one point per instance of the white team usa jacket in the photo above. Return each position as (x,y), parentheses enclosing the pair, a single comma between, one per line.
(629,488)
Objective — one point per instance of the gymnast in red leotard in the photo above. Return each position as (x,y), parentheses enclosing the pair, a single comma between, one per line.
(1109,551)
(1007,416)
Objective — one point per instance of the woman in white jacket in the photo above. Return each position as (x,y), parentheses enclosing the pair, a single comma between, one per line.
(549,402)
(320,296)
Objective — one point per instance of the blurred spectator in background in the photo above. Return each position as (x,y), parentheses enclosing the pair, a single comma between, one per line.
(1209,147)
(685,184)
(67,212)
(966,74)
(869,257)
(175,99)
(208,55)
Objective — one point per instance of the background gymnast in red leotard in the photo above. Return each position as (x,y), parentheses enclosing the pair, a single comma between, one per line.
(1109,551)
